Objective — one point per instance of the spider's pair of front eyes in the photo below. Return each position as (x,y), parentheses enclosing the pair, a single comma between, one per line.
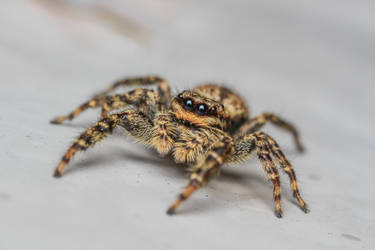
(201,109)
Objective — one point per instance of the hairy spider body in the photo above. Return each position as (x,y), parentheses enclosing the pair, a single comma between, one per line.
(206,128)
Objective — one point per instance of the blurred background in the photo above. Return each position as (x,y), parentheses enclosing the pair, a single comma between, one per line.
(312,62)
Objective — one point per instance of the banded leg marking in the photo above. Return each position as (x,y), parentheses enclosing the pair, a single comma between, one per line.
(288,168)
(264,155)
(205,170)
(258,122)
(147,100)
(87,139)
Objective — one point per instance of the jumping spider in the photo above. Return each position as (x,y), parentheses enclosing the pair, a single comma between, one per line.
(204,128)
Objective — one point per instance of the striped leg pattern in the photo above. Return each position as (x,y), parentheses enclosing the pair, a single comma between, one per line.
(264,155)
(146,100)
(87,139)
(135,123)
(205,170)
(163,87)
(93,103)
(288,168)
(258,122)
(266,146)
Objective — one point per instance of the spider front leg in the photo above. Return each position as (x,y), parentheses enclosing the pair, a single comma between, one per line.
(259,121)
(265,146)
(205,169)
(269,166)
(288,168)
(145,99)
(133,121)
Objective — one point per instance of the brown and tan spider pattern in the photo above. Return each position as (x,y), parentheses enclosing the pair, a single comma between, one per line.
(206,128)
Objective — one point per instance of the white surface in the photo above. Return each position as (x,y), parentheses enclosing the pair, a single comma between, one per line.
(310,61)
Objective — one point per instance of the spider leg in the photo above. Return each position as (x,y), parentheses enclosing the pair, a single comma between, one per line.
(133,121)
(205,169)
(265,145)
(269,166)
(93,103)
(244,147)
(288,168)
(146,100)
(258,122)
(163,86)
(87,139)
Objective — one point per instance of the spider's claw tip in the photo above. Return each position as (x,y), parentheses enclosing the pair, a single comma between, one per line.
(57,174)
(305,210)
(278,214)
(171,211)
(55,121)
(301,148)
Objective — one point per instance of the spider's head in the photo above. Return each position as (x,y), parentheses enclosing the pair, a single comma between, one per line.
(191,108)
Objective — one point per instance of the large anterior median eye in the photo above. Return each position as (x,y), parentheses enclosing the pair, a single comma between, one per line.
(188,104)
(202,109)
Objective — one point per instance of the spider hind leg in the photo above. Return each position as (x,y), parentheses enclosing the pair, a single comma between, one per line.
(134,97)
(146,100)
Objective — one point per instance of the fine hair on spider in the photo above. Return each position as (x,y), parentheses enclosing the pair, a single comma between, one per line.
(206,127)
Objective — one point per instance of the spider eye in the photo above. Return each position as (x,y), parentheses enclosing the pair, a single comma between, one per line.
(180,96)
(213,110)
(188,104)
(202,109)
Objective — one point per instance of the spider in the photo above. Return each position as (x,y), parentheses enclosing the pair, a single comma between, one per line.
(205,128)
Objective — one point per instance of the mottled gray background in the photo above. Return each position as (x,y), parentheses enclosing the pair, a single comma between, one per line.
(310,61)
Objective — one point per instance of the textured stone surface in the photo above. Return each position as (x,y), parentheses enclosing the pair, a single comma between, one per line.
(310,61)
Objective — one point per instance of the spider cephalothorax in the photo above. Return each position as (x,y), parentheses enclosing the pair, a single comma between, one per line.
(195,110)
(206,128)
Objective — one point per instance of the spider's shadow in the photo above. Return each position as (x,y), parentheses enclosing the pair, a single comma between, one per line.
(116,154)
(81,125)
(243,185)
(255,186)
